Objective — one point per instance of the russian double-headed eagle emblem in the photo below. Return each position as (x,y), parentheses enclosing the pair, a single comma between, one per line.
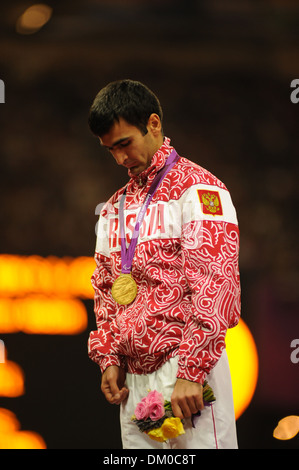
(210,202)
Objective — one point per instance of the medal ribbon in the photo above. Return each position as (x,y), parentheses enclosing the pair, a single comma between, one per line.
(128,254)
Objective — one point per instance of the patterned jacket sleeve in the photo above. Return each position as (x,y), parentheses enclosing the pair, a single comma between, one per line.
(210,249)
(102,346)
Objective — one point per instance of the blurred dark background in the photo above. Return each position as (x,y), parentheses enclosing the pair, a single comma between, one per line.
(222,71)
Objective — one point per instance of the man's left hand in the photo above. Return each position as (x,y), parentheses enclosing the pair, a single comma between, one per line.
(186,398)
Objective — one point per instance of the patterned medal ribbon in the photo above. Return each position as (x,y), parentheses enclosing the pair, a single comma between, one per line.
(124,289)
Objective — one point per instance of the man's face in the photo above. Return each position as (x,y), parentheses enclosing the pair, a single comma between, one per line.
(130,147)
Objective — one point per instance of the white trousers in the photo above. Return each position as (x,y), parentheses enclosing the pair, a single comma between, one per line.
(215,428)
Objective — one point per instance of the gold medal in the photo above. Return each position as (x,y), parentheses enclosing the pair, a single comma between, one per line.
(124,289)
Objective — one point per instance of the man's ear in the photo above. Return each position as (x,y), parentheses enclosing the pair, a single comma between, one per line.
(154,125)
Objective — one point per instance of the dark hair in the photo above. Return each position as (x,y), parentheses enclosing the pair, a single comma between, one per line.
(127,99)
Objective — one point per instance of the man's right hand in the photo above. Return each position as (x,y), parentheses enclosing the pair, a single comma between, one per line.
(112,386)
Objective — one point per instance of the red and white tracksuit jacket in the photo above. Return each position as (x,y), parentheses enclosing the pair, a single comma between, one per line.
(186,269)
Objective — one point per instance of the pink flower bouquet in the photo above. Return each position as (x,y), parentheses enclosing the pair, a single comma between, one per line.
(153,415)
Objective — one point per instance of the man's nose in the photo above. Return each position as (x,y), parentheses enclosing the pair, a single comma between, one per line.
(120,156)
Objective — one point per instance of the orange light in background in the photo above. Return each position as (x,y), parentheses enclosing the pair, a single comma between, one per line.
(52,316)
(21,275)
(38,295)
(8,421)
(287,428)
(7,323)
(12,437)
(22,440)
(42,315)
(80,272)
(243,361)
(33,19)
(11,380)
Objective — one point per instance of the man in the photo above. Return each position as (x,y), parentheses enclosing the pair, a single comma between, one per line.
(167,281)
